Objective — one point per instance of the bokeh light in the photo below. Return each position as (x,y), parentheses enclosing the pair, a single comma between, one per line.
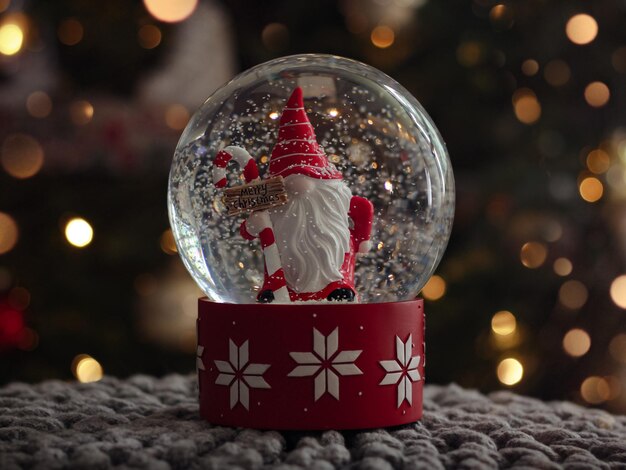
(176,117)
(597,94)
(598,161)
(70,32)
(275,37)
(38,104)
(510,371)
(501,16)
(19,298)
(617,348)
(8,233)
(533,254)
(562,266)
(168,245)
(435,288)
(618,291)
(149,36)
(81,112)
(526,106)
(22,156)
(78,232)
(595,390)
(530,67)
(576,342)
(573,294)
(86,369)
(557,72)
(503,323)
(11,39)
(382,36)
(170,11)
(591,189)
(581,29)
(470,53)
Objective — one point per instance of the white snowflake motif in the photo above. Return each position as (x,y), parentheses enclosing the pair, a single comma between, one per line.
(199,363)
(324,361)
(240,375)
(402,370)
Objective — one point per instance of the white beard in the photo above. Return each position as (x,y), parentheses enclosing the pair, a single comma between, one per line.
(312,232)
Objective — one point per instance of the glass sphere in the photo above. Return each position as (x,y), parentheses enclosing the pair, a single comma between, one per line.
(372,131)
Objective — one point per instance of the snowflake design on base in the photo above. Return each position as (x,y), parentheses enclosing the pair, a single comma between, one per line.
(325,363)
(199,363)
(402,370)
(240,375)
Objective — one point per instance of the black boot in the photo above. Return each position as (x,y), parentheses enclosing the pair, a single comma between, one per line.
(266,297)
(344,295)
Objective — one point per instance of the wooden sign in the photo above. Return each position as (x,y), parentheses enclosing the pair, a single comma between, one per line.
(256,196)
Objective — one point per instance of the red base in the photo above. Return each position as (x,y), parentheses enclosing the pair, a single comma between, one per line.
(311,366)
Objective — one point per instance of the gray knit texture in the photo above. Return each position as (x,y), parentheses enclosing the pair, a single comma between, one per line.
(143,422)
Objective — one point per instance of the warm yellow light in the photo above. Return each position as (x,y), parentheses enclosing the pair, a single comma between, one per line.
(597,94)
(591,189)
(501,16)
(22,156)
(530,67)
(598,161)
(382,36)
(273,115)
(573,294)
(469,53)
(435,288)
(8,233)
(503,323)
(11,39)
(581,29)
(149,36)
(595,390)
(38,104)
(526,106)
(81,112)
(576,342)
(562,266)
(275,37)
(533,254)
(70,32)
(78,232)
(510,371)
(617,348)
(168,244)
(176,117)
(4,4)
(170,11)
(388,186)
(618,291)
(557,72)
(86,369)
(333,112)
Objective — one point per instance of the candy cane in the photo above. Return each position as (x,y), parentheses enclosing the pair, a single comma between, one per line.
(271,255)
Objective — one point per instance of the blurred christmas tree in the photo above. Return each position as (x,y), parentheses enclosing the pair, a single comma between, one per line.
(528,96)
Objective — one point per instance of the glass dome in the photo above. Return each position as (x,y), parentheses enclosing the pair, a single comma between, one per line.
(374,132)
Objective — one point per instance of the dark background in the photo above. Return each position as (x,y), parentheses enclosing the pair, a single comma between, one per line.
(503,82)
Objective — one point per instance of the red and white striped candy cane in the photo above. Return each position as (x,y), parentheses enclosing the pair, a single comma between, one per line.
(265,233)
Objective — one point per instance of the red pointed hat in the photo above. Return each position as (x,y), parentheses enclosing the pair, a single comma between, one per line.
(297,152)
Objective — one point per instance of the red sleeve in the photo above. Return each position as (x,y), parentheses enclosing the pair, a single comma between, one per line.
(244,232)
(362,214)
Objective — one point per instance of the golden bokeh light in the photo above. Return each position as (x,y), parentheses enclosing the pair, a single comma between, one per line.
(618,59)
(562,266)
(176,117)
(573,294)
(597,94)
(149,36)
(510,371)
(591,189)
(81,112)
(533,254)
(469,53)
(86,369)
(557,72)
(4,4)
(581,29)
(22,156)
(70,32)
(8,233)
(168,244)
(617,348)
(526,106)
(78,232)
(38,104)
(595,390)
(598,161)
(503,323)
(501,16)
(576,342)
(618,291)
(275,37)
(170,11)
(11,39)
(435,288)
(382,36)
(530,67)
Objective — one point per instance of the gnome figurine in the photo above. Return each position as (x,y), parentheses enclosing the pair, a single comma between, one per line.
(322,227)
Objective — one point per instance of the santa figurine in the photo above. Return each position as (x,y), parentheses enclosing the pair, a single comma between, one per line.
(322,226)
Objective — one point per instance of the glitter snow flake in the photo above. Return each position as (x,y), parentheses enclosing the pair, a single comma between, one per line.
(402,370)
(240,374)
(325,363)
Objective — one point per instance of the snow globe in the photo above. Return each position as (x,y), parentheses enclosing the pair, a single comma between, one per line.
(311,198)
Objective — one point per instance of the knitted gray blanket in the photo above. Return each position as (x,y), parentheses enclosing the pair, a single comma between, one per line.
(151,423)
